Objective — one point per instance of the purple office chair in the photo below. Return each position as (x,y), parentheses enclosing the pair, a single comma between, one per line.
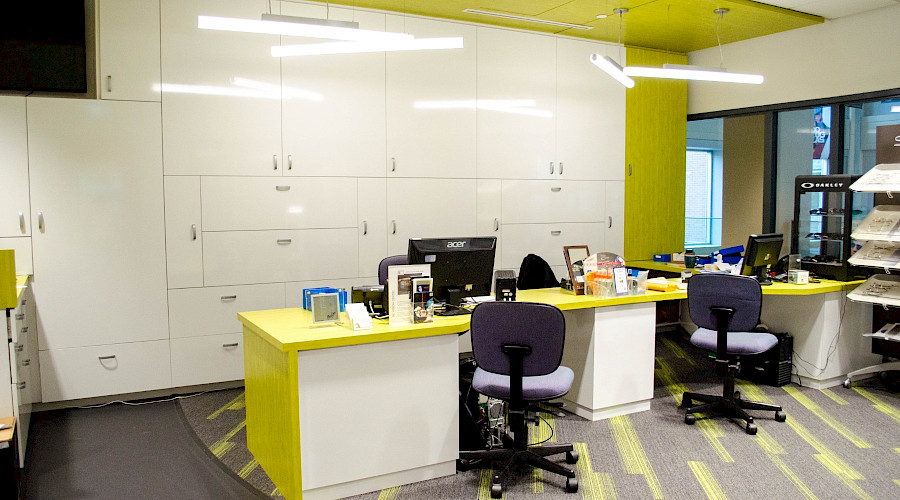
(726,307)
(394,260)
(518,348)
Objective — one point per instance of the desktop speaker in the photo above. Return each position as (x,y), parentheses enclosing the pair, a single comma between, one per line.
(772,367)
(505,285)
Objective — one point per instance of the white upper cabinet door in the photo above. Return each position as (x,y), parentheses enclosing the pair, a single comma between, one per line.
(372,203)
(429,208)
(590,120)
(489,212)
(516,105)
(251,203)
(615,212)
(333,105)
(431,103)
(184,232)
(97,209)
(128,38)
(221,92)
(14,210)
(553,201)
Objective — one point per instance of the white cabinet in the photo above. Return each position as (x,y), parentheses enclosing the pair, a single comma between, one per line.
(489,215)
(516,132)
(221,92)
(429,208)
(208,359)
(128,43)
(97,208)
(590,115)
(197,312)
(14,211)
(372,207)
(86,372)
(333,105)
(553,201)
(247,257)
(431,103)
(184,230)
(547,241)
(251,203)
(614,238)
(21,368)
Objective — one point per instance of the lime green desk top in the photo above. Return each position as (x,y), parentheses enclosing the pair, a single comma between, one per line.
(668,267)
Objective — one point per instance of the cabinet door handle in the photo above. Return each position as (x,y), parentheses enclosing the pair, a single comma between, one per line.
(551,168)
(282,188)
(109,83)
(22,222)
(496,224)
(290,162)
(24,329)
(610,221)
(230,346)
(629,169)
(41,221)
(393,164)
(20,347)
(26,362)
(21,385)
(20,317)
(193,232)
(393,227)
(556,189)
(556,233)
(274,162)
(284,241)
(226,298)
(560,168)
(365,228)
(105,358)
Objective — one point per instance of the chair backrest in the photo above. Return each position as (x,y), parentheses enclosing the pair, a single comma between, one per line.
(741,293)
(394,260)
(535,273)
(539,326)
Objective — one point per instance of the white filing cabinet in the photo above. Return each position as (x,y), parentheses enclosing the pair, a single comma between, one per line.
(429,208)
(21,381)
(128,55)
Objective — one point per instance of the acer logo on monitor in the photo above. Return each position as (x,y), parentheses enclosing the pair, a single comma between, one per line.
(456,244)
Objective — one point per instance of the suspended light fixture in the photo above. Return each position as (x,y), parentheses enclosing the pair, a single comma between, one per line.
(686,72)
(527,19)
(611,67)
(370,46)
(298,26)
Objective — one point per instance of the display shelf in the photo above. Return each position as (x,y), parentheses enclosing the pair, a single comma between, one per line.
(882,224)
(879,289)
(890,331)
(881,254)
(882,178)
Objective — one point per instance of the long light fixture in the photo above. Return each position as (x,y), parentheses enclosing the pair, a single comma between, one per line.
(612,69)
(528,19)
(685,72)
(311,49)
(298,26)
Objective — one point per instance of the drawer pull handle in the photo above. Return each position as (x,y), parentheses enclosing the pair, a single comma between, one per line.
(560,168)
(290,162)
(282,188)
(22,222)
(26,362)
(228,297)
(275,162)
(551,168)
(496,224)
(365,227)
(21,385)
(20,347)
(193,232)
(556,233)
(230,346)
(556,189)
(284,242)
(105,358)
(24,329)
(21,316)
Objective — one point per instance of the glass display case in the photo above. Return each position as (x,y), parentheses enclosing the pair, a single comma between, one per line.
(826,212)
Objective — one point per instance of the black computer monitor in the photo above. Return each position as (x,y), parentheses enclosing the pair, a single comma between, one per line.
(460,267)
(762,251)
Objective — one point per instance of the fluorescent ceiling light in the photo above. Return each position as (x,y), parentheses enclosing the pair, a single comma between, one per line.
(302,27)
(515,106)
(612,69)
(529,19)
(681,72)
(310,49)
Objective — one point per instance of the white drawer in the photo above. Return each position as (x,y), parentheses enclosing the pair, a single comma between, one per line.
(547,241)
(537,201)
(246,257)
(194,312)
(254,203)
(206,360)
(84,372)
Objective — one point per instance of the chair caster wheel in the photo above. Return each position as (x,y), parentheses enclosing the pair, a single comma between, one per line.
(571,457)
(571,485)
(462,464)
(751,428)
(737,395)
(690,419)
(780,416)
(496,488)
(847,384)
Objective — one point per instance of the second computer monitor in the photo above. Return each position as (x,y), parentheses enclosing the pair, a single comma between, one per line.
(460,267)
(761,252)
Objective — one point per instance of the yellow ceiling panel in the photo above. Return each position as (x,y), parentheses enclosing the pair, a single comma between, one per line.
(674,25)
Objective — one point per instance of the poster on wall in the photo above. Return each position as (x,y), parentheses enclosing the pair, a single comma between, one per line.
(821,133)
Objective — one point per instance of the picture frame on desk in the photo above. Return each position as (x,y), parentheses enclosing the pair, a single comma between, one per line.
(575,255)
(326,308)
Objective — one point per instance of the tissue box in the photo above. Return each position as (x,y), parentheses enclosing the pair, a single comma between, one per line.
(307,292)
(798,277)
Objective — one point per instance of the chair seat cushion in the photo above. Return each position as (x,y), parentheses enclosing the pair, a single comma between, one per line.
(738,342)
(537,388)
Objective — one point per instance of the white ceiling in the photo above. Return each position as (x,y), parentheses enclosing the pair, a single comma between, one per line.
(831,9)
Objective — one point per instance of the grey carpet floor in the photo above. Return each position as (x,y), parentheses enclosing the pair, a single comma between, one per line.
(836,444)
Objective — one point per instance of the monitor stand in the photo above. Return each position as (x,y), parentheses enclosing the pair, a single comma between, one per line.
(761,277)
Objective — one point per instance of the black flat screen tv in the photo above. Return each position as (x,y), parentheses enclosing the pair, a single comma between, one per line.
(42,46)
